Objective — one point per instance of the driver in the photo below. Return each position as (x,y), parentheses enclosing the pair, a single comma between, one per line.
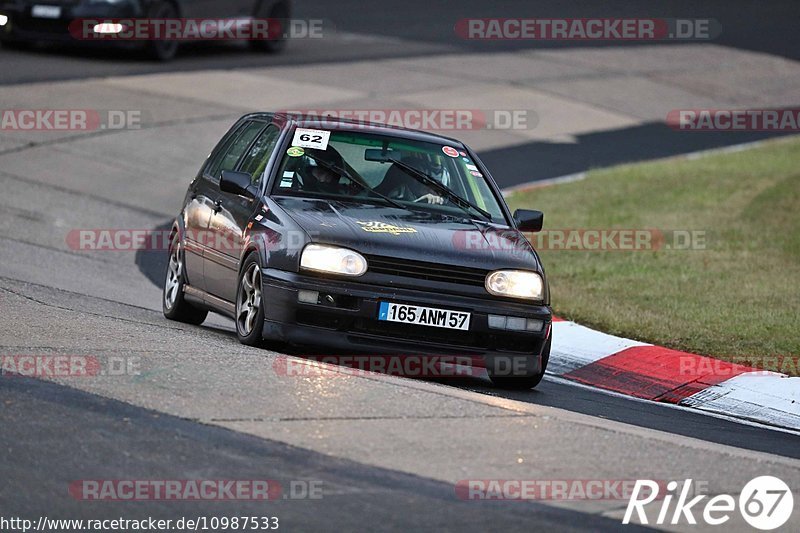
(398,184)
(436,170)
(316,177)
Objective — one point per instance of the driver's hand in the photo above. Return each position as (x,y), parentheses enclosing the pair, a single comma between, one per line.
(431,199)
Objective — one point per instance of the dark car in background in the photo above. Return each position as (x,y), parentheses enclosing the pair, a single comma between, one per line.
(30,21)
(364,238)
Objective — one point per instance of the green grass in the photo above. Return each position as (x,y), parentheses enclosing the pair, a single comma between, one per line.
(739,297)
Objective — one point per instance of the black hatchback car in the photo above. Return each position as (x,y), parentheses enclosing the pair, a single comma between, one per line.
(364,238)
(27,21)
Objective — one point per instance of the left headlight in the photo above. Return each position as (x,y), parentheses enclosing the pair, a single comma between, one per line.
(333,260)
(515,284)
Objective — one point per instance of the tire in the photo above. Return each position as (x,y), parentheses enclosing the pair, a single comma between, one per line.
(175,307)
(162,50)
(524,382)
(271,46)
(249,315)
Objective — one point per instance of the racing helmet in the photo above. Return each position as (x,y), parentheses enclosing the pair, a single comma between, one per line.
(329,156)
(307,165)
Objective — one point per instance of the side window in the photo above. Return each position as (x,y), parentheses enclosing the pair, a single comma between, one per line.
(227,158)
(255,161)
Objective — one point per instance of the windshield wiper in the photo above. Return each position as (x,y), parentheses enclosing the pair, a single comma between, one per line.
(346,174)
(420,176)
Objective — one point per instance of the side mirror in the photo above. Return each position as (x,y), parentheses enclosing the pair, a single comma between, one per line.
(528,220)
(237,183)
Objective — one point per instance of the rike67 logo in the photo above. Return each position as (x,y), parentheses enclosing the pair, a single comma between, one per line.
(766,503)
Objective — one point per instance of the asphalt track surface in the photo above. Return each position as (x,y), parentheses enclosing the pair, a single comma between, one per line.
(55,433)
(157,446)
(424,28)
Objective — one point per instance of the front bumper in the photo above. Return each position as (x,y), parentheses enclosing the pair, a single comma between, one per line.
(22,26)
(351,325)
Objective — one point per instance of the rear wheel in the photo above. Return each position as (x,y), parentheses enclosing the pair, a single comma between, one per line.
(523,382)
(277,13)
(175,307)
(162,50)
(249,303)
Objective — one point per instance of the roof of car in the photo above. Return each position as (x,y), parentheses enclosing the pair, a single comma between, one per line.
(337,123)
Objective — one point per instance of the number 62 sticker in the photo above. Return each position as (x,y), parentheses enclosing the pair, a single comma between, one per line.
(306,138)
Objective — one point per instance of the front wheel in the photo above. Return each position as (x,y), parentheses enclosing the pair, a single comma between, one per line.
(249,303)
(523,382)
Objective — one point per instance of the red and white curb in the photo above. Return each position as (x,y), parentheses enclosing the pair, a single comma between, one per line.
(642,370)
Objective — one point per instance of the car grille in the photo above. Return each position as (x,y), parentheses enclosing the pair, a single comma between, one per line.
(408,332)
(428,271)
(469,341)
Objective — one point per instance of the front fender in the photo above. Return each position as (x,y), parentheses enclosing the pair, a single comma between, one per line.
(276,237)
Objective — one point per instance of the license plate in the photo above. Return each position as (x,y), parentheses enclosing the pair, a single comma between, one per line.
(46,12)
(423,316)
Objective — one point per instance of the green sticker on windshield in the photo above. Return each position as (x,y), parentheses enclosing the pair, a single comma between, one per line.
(295,151)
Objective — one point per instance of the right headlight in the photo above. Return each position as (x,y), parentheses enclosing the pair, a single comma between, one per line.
(515,284)
(333,260)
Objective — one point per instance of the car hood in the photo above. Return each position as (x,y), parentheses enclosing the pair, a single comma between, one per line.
(413,235)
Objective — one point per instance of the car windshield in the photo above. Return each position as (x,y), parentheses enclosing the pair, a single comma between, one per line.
(366,166)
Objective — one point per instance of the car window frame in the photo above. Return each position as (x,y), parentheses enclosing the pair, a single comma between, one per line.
(284,143)
(215,153)
(268,188)
(240,163)
(225,145)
